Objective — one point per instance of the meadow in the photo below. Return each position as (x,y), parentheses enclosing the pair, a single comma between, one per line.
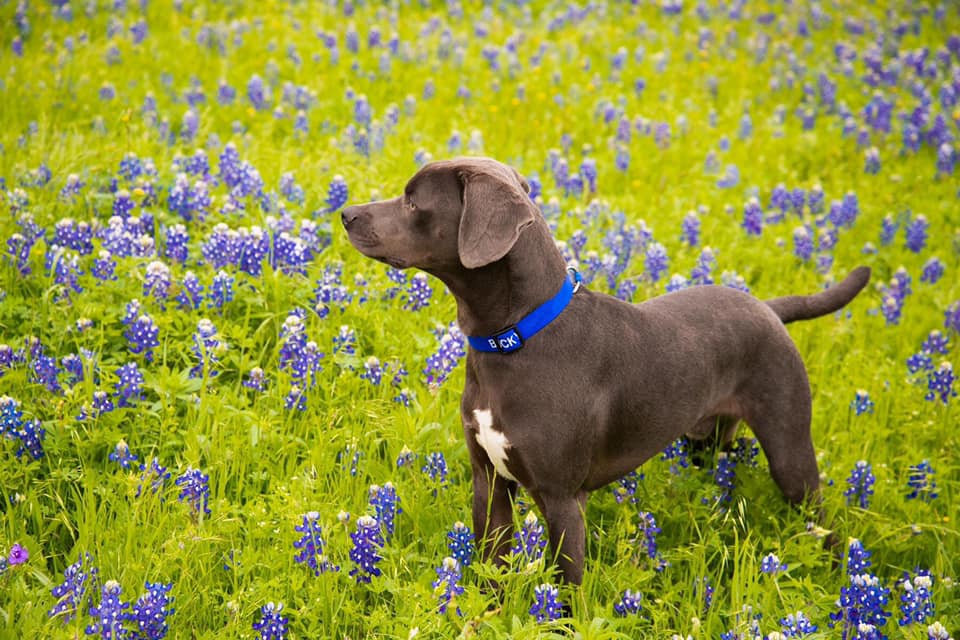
(217,419)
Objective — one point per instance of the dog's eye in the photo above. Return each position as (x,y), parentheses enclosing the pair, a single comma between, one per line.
(413,207)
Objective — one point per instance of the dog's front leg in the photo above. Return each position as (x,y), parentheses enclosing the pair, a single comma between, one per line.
(493,497)
(565,522)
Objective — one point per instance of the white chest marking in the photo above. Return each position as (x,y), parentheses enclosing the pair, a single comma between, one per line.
(493,442)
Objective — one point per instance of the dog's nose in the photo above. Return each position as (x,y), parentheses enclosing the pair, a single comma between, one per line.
(348,215)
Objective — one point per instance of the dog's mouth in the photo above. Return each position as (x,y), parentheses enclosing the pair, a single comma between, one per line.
(369,245)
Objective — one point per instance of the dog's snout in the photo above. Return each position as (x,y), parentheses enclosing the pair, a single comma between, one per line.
(349,215)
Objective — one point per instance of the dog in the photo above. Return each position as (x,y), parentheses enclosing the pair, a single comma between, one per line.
(569,389)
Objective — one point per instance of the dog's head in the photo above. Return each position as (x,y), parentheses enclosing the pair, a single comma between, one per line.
(466,212)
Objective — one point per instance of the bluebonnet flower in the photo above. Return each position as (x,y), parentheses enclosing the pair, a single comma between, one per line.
(418,293)
(156,281)
(101,404)
(862,403)
(221,290)
(724,475)
(917,232)
(691,229)
(951,317)
(677,451)
(190,295)
(588,169)
(703,271)
(142,336)
(157,475)
(149,613)
(861,483)
(311,545)
(861,606)
(70,234)
(916,603)
(648,529)
(937,631)
(257,93)
(104,266)
(205,347)
(626,487)
(372,371)
(352,453)
(289,188)
(677,283)
(176,243)
(386,505)
(871,161)
(194,488)
(529,541)
(71,189)
(936,342)
(858,558)
(345,341)
(940,383)
(123,204)
(655,261)
(449,353)
(921,482)
(447,585)
(72,594)
(44,370)
(109,616)
(461,543)
(18,555)
(435,466)
(11,416)
(367,542)
(745,451)
(933,270)
(730,178)
(708,589)
(272,625)
(31,437)
(946,159)
(919,362)
(546,606)
(121,455)
(771,564)
(406,457)
(255,379)
(629,603)
(797,625)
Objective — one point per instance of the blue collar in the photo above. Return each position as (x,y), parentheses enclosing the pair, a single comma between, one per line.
(512,338)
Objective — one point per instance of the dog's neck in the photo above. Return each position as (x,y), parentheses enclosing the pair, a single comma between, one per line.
(500,294)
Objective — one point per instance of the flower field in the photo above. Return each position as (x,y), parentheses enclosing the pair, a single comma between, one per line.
(218,419)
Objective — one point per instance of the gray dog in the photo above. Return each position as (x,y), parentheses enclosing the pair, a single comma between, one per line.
(568,389)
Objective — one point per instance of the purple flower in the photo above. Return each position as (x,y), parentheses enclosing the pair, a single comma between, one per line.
(529,541)
(626,487)
(449,353)
(917,232)
(156,282)
(191,292)
(802,243)
(921,482)
(367,542)
(676,451)
(271,625)
(691,229)
(724,475)
(157,474)
(446,587)
(461,543)
(951,317)
(418,293)
(546,606)
(176,243)
(194,488)
(311,545)
(255,379)
(337,194)
(946,159)
(655,261)
(940,383)
(206,344)
(933,270)
(771,564)
(31,437)
(703,271)
(753,217)
(18,554)
(435,467)
(648,529)
(372,371)
(861,608)
(629,603)
(861,483)
(796,625)
(104,266)
(916,603)
(871,162)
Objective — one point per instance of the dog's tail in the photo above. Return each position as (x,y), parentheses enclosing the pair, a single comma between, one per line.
(790,308)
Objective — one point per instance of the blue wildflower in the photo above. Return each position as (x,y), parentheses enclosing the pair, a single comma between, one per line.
(31,437)
(771,564)
(917,232)
(871,161)
(529,541)
(73,594)
(802,243)
(206,344)
(418,293)
(271,625)
(221,290)
(104,267)
(933,270)
(629,603)
(626,487)
(446,587)
(797,625)
(724,475)
(546,607)
(122,456)
(194,488)
(109,616)
(461,543)
(156,282)
(345,341)
(435,467)
(311,545)
(449,353)
(861,608)
(149,613)
(191,292)
(256,379)
(691,229)
(648,529)
(921,482)
(655,261)
(862,403)
(142,336)
(386,504)
(367,541)
(916,602)
(677,451)
(128,388)
(861,483)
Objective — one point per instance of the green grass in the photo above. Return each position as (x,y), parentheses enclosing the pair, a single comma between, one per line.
(268,465)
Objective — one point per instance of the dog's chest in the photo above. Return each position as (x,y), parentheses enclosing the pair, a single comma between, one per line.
(493,441)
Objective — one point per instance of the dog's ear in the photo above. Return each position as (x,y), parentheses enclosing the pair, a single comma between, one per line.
(495,210)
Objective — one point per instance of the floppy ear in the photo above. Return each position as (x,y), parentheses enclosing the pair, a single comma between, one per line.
(495,211)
